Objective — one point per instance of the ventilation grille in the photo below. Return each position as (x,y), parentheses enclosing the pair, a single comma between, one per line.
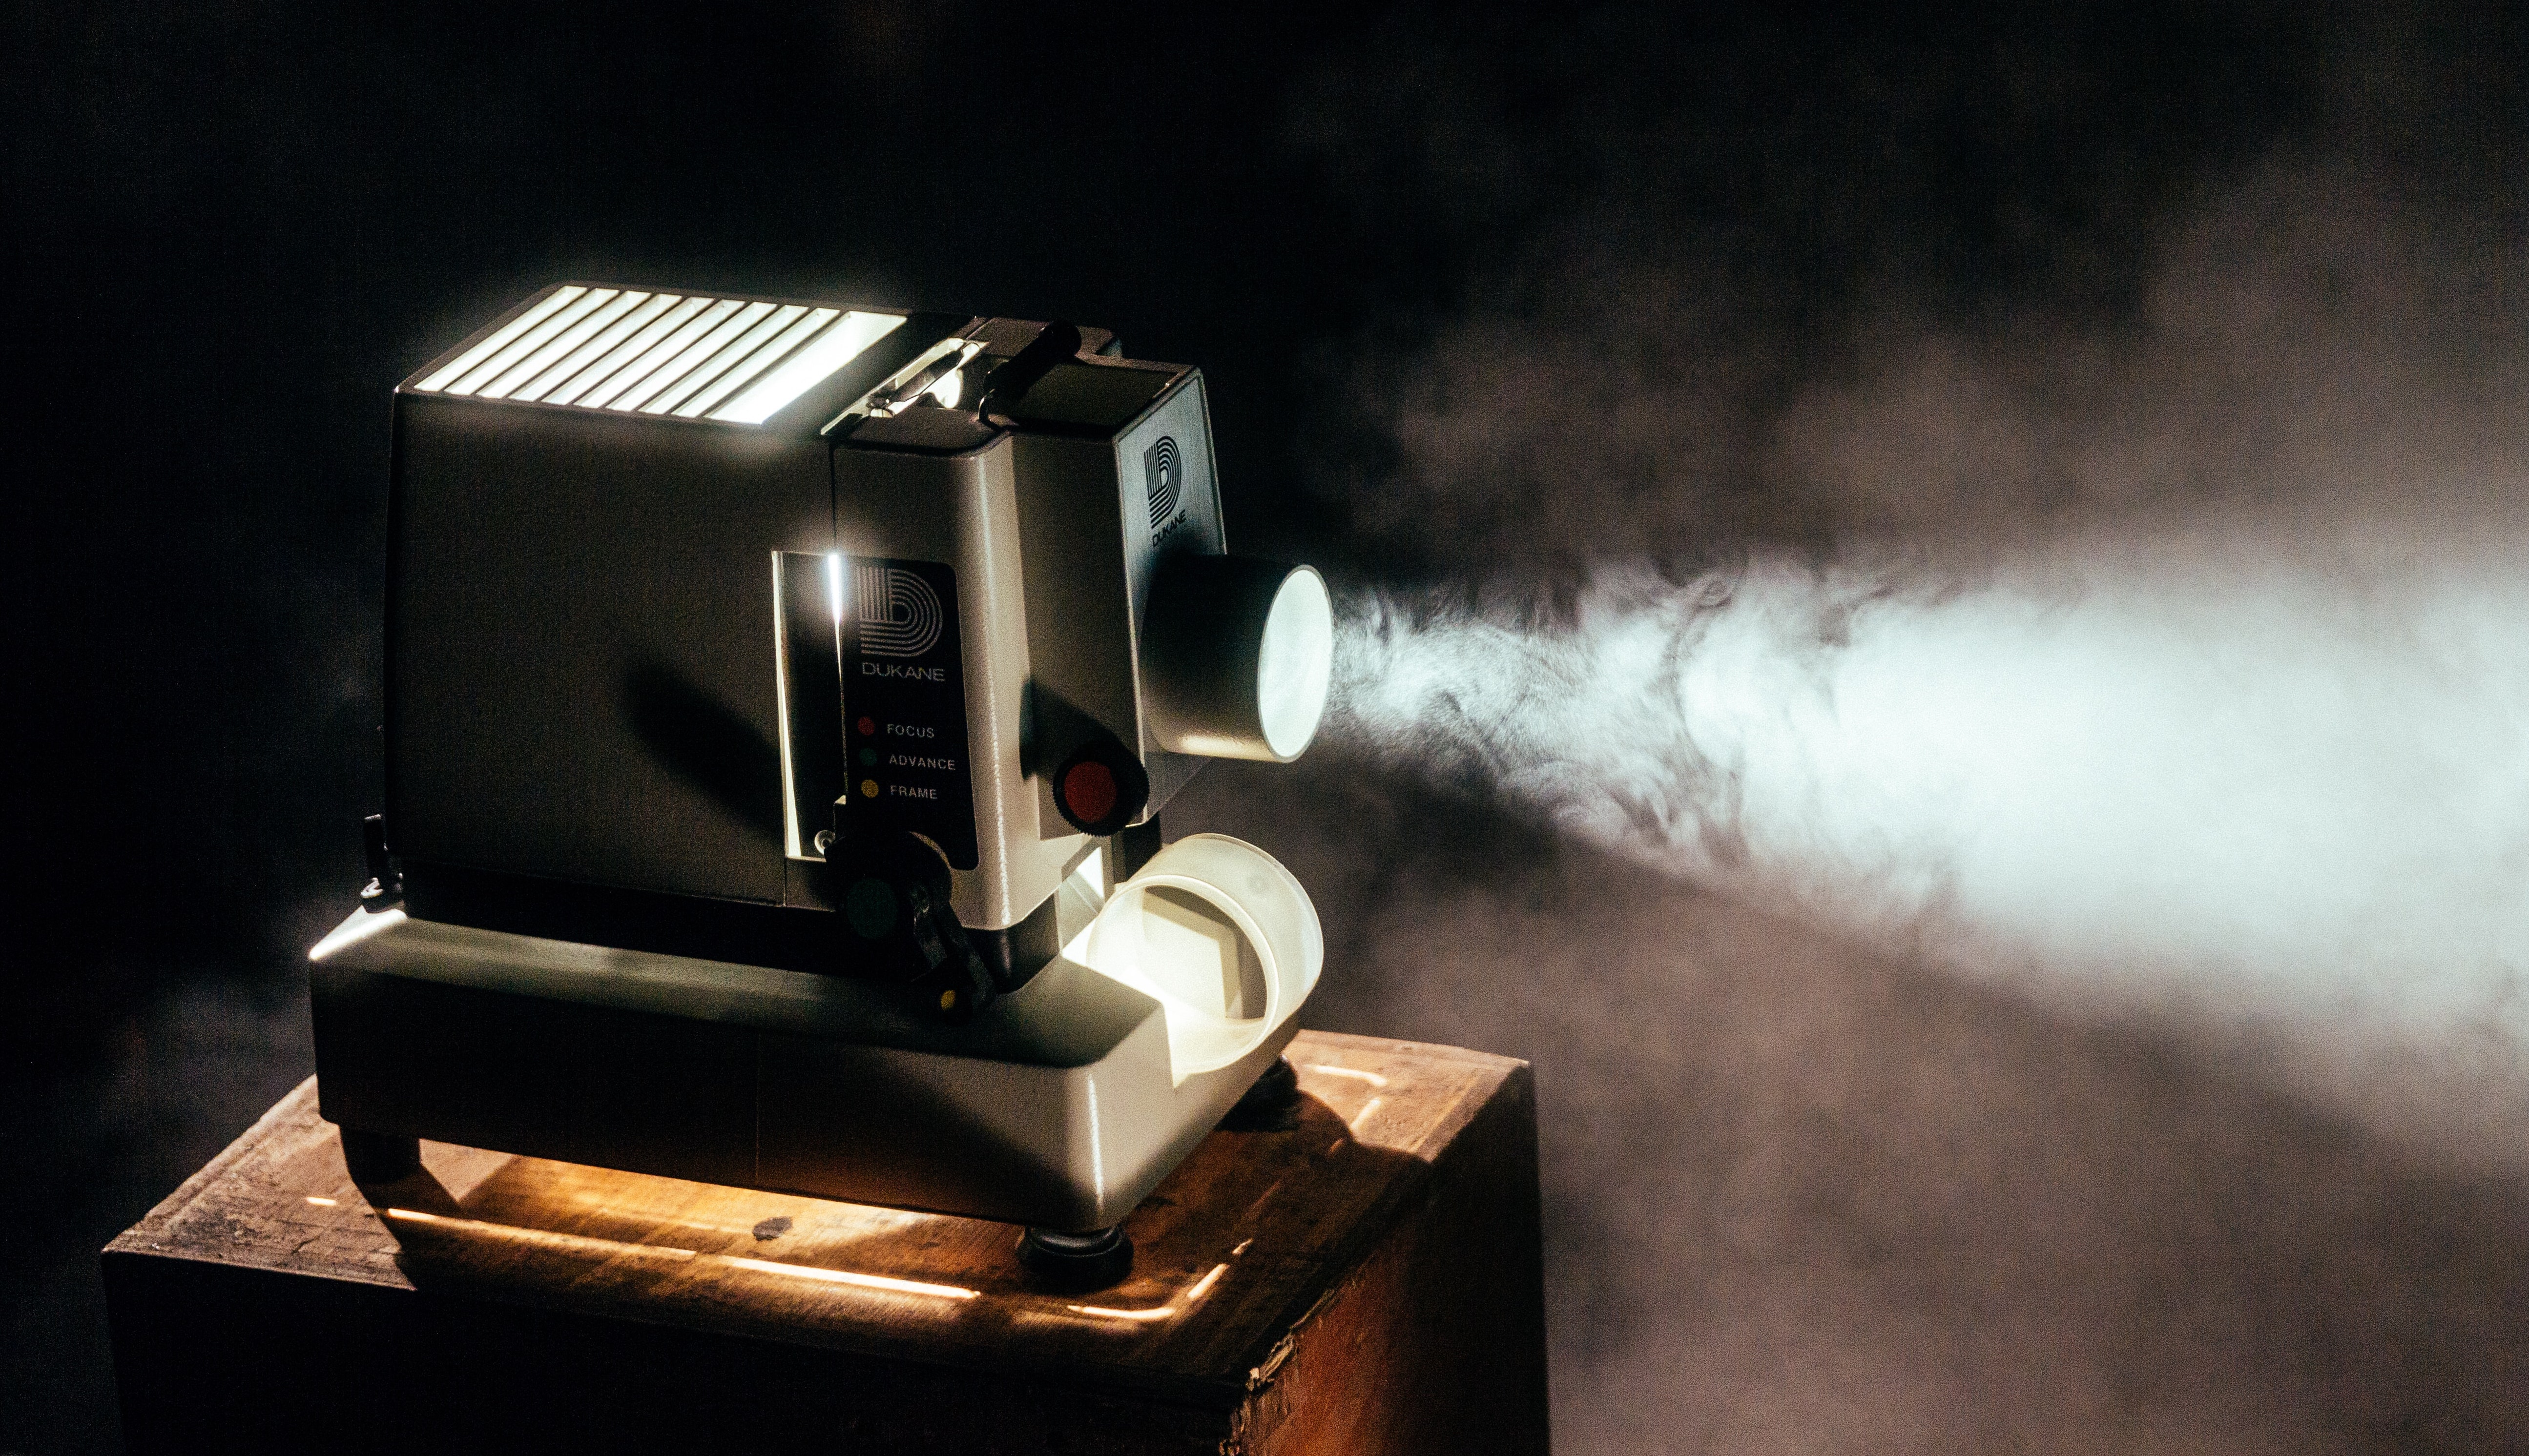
(679,354)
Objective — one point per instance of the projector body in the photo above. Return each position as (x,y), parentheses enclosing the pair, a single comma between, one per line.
(767,731)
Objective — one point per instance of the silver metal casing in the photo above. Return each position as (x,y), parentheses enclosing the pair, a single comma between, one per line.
(584,643)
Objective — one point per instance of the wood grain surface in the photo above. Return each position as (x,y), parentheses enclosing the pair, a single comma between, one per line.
(1339,1285)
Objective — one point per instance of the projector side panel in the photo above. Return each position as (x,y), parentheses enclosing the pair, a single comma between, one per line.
(1111,507)
(580,644)
(960,512)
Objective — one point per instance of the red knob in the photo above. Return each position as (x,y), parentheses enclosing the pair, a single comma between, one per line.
(1089,792)
(1100,787)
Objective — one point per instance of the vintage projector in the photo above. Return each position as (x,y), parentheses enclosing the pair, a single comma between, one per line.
(781,699)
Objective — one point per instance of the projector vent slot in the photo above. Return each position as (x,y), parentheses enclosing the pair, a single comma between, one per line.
(635,352)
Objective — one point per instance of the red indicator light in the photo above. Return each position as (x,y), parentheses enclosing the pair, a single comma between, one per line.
(868,727)
(1089,792)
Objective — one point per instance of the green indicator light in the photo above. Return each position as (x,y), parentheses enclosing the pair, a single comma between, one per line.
(869,758)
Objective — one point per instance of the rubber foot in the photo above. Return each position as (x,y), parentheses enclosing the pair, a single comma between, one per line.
(1076,1263)
(380,1156)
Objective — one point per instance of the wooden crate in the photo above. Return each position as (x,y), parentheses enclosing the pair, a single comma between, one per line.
(1364,1282)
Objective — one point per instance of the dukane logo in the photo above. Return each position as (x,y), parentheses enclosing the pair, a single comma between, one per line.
(1163,473)
(899,613)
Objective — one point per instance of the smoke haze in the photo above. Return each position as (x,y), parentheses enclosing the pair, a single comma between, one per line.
(2000,810)
(2174,773)
(2034,966)
(2171,662)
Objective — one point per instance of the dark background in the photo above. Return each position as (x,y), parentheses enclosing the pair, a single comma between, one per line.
(230,230)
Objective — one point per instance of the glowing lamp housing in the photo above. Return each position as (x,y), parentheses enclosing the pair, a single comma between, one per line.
(681,582)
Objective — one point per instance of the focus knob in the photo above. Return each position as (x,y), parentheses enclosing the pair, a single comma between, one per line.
(1236,654)
(1100,787)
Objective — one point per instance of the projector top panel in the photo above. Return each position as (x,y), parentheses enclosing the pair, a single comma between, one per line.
(665,354)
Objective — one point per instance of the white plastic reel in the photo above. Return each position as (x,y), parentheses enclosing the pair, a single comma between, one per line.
(1221,936)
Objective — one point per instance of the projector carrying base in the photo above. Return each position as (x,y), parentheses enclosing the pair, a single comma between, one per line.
(1055,1108)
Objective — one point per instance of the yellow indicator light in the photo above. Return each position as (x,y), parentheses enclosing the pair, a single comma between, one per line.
(948,1000)
(869,788)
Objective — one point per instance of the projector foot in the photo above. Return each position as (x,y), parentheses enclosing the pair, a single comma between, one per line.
(1272,1105)
(1076,1263)
(380,1156)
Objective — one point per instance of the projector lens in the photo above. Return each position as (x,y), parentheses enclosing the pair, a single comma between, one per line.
(1236,657)
(1295,664)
